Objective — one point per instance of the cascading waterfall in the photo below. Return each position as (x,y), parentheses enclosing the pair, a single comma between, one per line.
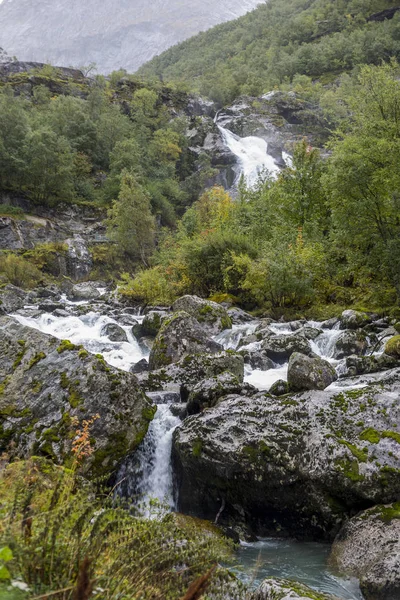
(252,155)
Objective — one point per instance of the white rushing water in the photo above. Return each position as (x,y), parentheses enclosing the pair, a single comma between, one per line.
(252,155)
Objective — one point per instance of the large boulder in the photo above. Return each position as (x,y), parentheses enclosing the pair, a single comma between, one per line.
(309,373)
(299,464)
(178,337)
(360,365)
(350,342)
(206,393)
(190,370)
(212,316)
(87,290)
(282,589)
(12,298)
(114,332)
(368,547)
(353,319)
(280,348)
(46,384)
(392,347)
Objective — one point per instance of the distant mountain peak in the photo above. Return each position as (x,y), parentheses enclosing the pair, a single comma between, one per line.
(111,33)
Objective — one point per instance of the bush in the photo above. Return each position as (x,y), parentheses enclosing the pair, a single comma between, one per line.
(19,271)
(150,286)
(46,257)
(13,211)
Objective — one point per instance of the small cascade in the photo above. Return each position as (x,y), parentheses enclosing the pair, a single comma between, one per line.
(324,345)
(252,155)
(86,330)
(231,338)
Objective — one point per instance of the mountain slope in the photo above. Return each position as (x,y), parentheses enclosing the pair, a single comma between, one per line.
(111,33)
(281,39)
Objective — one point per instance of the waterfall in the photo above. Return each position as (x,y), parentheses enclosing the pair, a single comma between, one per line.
(252,155)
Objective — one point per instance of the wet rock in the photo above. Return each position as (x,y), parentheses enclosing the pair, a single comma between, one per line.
(310,333)
(279,348)
(180,336)
(164,397)
(114,332)
(295,325)
(309,373)
(146,344)
(257,359)
(12,299)
(127,320)
(140,366)
(61,312)
(368,547)
(361,365)
(152,322)
(179,410)
(330,323)
(85,291)
(50,306)
(272,589)
(206,393)
(297,465)
(46,383)
(239,316)
(351,342)
(212,317)
(353,319)
(279,388)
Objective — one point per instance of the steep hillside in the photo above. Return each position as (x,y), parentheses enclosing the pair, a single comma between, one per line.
(111,33)
(282,39)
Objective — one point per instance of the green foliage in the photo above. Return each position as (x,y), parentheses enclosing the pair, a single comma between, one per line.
(59,528)
(277,42)
(13,211)
(131,224)
(150,287)
(19,272)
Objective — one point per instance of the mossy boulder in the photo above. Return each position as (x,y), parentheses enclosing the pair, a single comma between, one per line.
(45,386)
(354,319)
(152,322)
(212,316)
(280,348)
(298,464)
(180,336)
(392,347)
(368,547)
(309,373)
(206,393)
(351,342)
(282,589)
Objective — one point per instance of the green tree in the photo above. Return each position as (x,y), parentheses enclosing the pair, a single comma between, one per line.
(363,180)
(130,222)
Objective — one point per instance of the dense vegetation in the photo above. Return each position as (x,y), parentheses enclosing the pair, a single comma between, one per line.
(325,232)
(73,145)
(278,40)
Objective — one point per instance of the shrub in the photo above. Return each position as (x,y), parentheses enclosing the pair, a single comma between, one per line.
(46,257)
(61,533)
(19,271)
(150,286)
(13,211)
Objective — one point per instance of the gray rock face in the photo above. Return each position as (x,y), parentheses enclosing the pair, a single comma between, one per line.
(272,589)
(300,463)
(309,373)
(180,336)
(207,392)
(12,299)
(360,365)
(152,323)
(46,383)
(79,260)
(368,547)
(212,316)
(79,33)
